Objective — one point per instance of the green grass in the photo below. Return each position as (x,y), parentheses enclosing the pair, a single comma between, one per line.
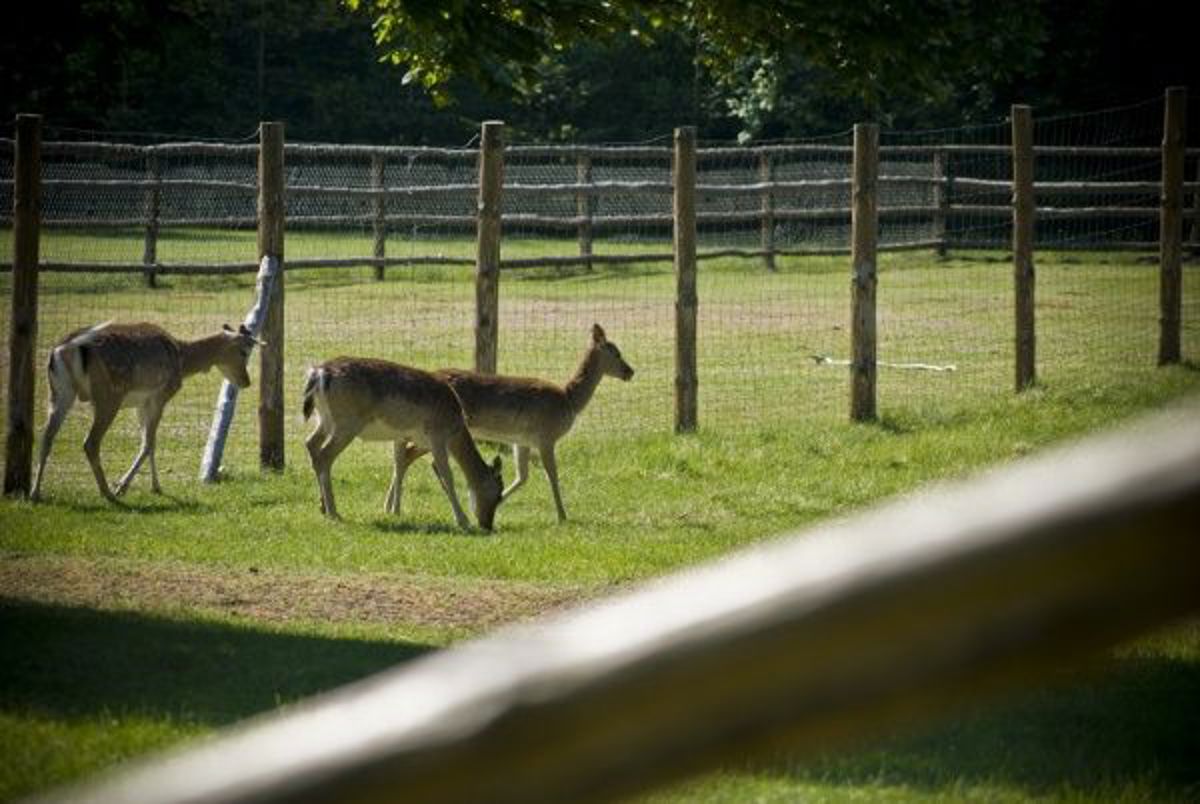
(92,676)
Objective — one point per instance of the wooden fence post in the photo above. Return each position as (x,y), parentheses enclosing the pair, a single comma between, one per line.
(585,207)
(379,224)
(686,380)
(487,249)
(864,248)
(941,199)
(151,209)
(1170,232)
(22,336)
(766,175)
(1023,222)
(271,224)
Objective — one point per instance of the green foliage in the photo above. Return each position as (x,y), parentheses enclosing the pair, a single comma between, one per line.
(574,70)
(870,48)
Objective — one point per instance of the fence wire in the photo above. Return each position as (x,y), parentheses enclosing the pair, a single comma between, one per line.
(774,312)
(380,249)
(106,210)
(1095,308)
(578,208)
(944,312)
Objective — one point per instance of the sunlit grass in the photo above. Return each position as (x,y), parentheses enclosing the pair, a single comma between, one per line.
(774,452)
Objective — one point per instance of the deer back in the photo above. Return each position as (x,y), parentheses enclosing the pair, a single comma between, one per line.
(524,409)
(122,359)
(385,396)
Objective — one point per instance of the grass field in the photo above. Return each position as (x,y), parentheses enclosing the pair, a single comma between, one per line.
(133,628)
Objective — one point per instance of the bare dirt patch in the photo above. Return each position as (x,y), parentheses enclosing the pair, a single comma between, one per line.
(277,596)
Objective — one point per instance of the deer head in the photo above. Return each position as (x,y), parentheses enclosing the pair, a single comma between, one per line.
(609,356)
(234,353)
(486,496)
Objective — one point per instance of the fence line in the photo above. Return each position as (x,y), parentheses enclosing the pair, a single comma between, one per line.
(765,206)
(941,188)
(847,631)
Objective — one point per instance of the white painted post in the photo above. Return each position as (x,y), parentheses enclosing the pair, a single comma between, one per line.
(210,464)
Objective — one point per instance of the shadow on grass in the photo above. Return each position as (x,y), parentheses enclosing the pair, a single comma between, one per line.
(1134,725)
(73,662)
(133,504)
(388,523)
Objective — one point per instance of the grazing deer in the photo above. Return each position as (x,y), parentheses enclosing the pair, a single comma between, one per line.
(523,411)
(380,401)
(116,366)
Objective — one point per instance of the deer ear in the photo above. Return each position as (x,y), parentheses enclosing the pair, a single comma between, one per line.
(242,329)
(597,333)
(227,328)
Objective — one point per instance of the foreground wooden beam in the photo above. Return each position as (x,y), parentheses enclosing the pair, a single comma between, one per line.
(849,629)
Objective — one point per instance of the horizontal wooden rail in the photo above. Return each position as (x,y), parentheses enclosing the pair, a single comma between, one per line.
(1058,213)
(365,219)
(564,152)
(144,184)
(1002,242)
(464,189)
(999,243)
(847,630)
(607,188)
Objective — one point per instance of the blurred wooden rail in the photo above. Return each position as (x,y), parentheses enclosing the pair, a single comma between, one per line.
(881,619)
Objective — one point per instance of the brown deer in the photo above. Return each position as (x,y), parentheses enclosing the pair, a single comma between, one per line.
(381,401)
(116,366)
(526,412)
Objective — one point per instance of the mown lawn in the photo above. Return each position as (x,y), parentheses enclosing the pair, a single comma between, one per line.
(130,628)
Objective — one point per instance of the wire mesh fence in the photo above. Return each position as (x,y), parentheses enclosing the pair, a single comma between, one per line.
(381,247)
(945,316)
(1102,190)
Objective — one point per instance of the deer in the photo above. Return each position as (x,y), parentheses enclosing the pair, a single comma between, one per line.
(140,365)
(377,400)
(527,412)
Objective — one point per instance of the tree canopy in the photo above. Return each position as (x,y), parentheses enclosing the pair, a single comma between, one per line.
(572,70)
(870,48)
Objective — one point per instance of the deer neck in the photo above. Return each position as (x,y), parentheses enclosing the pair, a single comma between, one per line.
(579,389)
(200,355)
(462,448)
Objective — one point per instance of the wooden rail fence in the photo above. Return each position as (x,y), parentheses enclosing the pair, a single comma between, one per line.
(685,220)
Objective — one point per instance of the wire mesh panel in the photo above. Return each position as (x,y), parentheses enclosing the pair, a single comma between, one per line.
(1098,193)
(386,205)
(773,315)
(587,240)
(380,245)
(380,253)
(115,219)
(944,304)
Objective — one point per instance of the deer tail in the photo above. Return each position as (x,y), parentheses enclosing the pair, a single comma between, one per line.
(314,380)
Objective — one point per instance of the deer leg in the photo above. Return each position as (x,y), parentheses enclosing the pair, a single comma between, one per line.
(105,413)
(148,416)
(441,465)
(323,464)
(403,456)
(61,400)
(550,464)
(521,459)
(313,444)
